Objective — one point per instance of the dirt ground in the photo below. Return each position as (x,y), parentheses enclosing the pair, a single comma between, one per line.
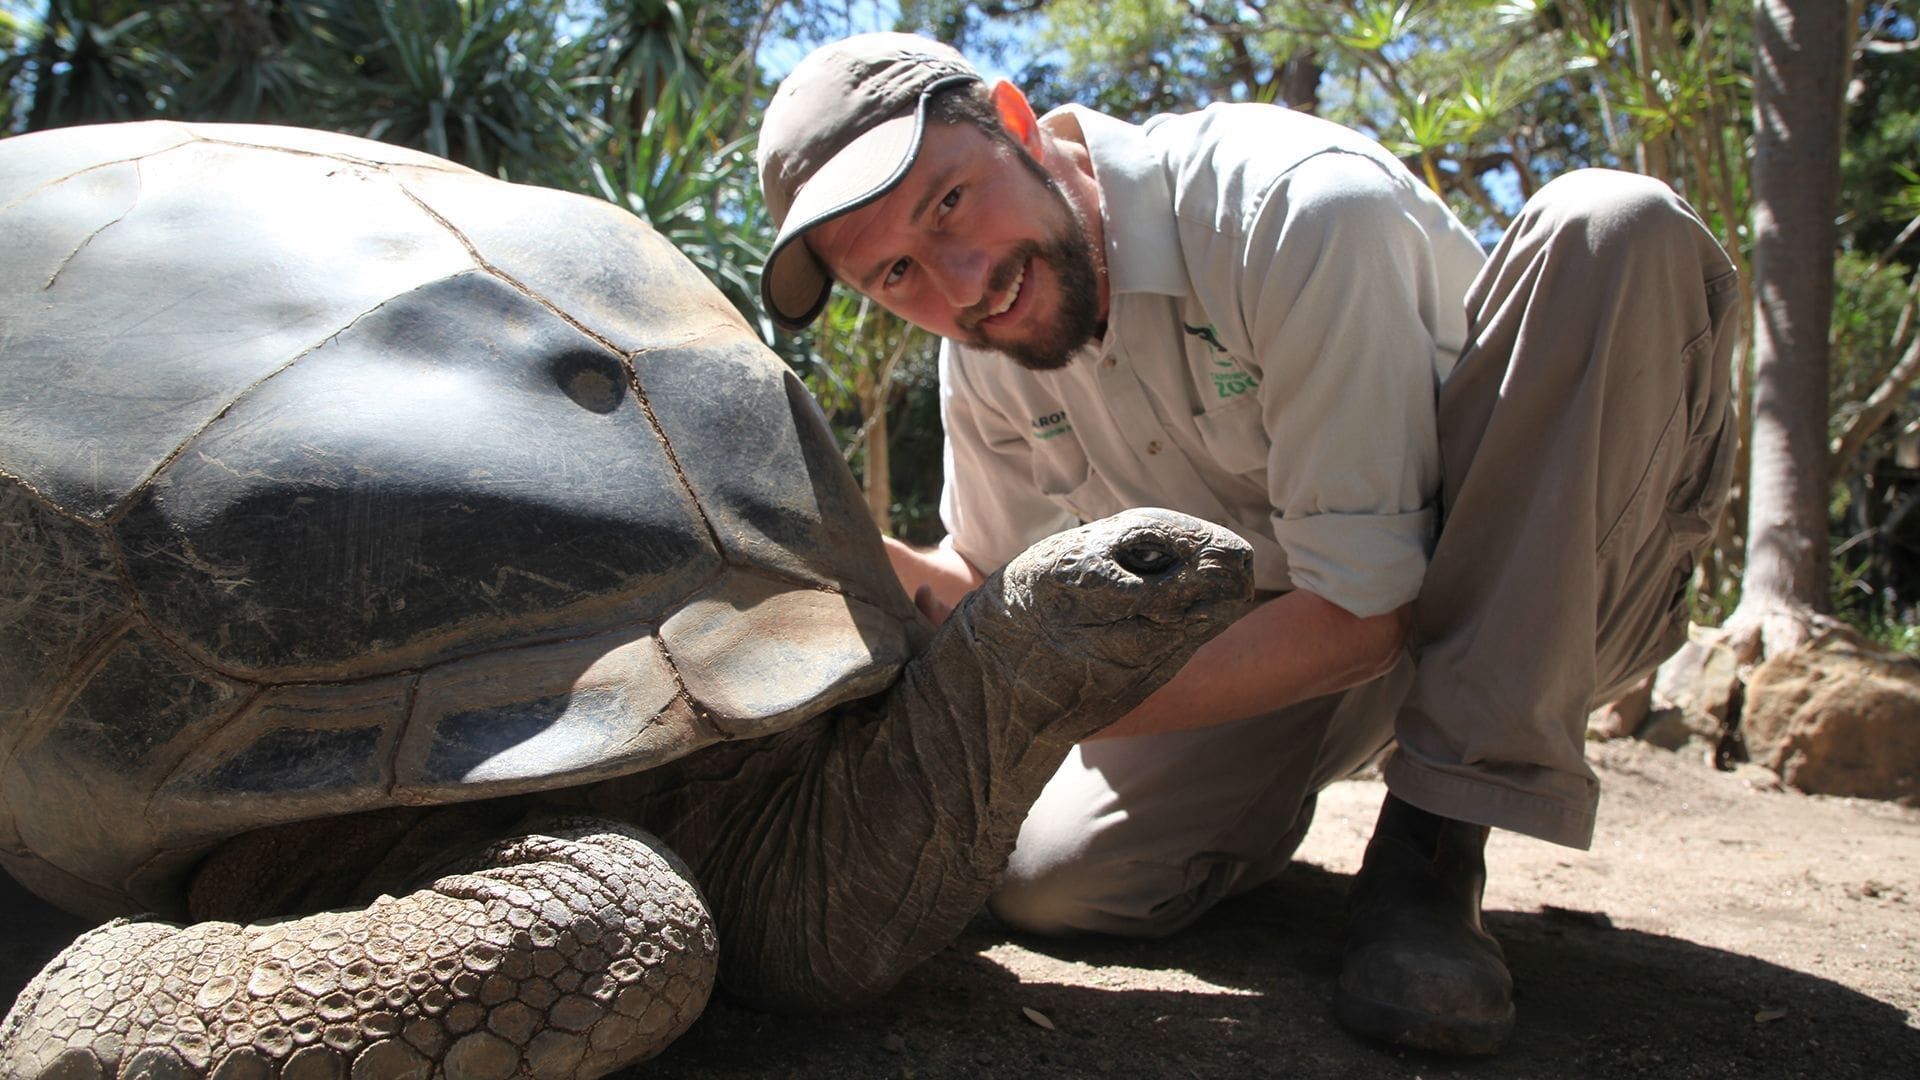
(1716,929)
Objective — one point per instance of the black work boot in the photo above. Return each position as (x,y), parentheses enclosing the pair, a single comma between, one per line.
(1420,970)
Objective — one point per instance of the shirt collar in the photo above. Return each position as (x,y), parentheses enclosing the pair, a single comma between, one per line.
(1136,206)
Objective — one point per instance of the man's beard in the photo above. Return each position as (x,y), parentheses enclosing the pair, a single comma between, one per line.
(1070,254)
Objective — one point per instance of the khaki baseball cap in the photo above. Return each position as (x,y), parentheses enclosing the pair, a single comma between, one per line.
(842,130)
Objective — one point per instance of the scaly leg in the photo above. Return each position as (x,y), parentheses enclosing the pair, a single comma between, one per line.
(567,954)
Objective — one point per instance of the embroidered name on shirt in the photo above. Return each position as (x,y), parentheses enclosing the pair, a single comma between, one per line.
(1231,381)
(1051,425)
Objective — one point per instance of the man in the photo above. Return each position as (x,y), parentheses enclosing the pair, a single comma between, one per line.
(1262,319)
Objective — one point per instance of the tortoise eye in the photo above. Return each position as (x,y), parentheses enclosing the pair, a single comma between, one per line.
(1144,558)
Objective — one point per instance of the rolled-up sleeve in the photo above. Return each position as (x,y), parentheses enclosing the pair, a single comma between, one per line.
(1344,345)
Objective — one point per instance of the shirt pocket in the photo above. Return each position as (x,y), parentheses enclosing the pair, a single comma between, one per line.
(1235,435)
(1062,473)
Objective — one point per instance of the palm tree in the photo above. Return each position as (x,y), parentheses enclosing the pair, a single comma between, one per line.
(491,84)
(89,61)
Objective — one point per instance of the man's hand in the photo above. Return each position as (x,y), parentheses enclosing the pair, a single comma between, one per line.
(930,605)
(936,578)
(1291,648)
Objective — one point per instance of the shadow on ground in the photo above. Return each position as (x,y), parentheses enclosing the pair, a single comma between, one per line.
(1244,994)
(1596,1002)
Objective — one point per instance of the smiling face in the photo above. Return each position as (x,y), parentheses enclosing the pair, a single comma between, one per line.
(978,244)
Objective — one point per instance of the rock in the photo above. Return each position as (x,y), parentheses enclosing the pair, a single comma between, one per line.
(1757,777)
(1668,729)
(1836,719)
(1623,716)
(1701,681)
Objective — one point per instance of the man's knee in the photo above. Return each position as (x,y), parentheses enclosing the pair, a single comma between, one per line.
(1620,216)
(1055,882)
(1125,898)
(1041,905)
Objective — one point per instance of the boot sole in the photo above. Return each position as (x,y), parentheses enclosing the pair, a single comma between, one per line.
(1419,1030)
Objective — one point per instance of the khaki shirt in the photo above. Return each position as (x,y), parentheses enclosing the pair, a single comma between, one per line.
(1284,299)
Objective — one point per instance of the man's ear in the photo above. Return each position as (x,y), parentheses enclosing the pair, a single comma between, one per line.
(1016,115)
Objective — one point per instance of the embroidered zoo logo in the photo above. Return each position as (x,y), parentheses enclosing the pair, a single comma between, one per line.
(1229,380)
(1206,334)
(1052,425)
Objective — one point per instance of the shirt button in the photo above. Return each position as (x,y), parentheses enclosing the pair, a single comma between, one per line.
(1153,447)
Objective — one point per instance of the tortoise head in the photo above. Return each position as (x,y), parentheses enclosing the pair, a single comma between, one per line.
(1141,589)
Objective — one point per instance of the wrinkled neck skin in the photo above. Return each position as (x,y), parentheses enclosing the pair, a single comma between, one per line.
(1018,695)
(840,854)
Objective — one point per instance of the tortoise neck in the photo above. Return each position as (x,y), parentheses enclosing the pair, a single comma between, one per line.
(987,687)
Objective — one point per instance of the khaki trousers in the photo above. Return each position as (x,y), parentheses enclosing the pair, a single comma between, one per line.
(1585,445)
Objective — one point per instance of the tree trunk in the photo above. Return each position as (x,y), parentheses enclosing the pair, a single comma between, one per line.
(1651,155)
(1300,81)
(45,87)
(879,466)
(1801,50)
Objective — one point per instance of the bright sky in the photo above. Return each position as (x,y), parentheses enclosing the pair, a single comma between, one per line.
(778,55)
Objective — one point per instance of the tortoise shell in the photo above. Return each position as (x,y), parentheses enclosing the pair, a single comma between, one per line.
(335,476)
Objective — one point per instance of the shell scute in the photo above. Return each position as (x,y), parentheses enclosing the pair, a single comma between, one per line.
(137,315)
(79,784)
(414,489)
(776,493)
(757,655)
(628,287)
(526,719)
(87,147)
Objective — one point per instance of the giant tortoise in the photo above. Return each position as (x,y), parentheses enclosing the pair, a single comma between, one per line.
(429,593)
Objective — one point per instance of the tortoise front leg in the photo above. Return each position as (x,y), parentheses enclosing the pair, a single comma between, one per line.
(567,954)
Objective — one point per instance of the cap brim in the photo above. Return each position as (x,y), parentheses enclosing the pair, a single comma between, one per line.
(794,287)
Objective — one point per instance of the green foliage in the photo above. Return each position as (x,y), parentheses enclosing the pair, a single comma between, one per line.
(873,373)
(1879,193)
(1709,604)
(1904,202)
(686,169)
(488,83)
(1140,56)
(16,33)
(1373,26)
(1480,97)
(235,61)
(92,60)
(1874,612)
(644,46)
(914,421)
(1869,299)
